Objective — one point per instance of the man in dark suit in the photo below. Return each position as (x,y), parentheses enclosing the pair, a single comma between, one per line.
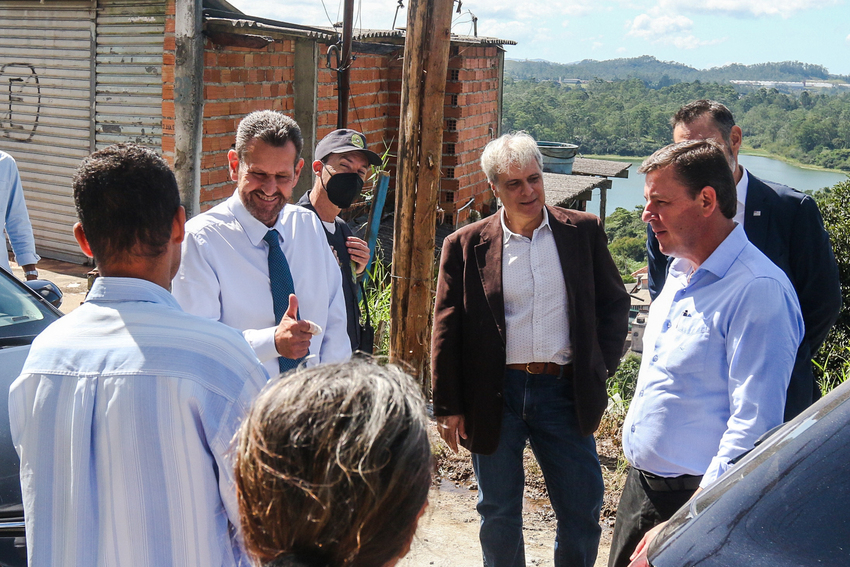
(785,225)
(530,320)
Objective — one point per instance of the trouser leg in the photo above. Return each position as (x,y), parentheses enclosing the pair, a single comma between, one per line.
(501,481)
(640,509)
(570,467)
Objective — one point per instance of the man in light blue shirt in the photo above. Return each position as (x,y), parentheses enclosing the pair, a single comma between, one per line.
(125,408)
(14,219)
(720,343)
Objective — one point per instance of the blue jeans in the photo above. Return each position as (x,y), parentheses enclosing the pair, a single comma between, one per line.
(540,408)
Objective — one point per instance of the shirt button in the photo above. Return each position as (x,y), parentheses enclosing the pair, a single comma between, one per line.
(655,358)
(498,394)
(633,428)
(641,393)
(666,324)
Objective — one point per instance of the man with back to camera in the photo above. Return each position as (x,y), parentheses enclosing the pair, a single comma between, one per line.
(125,408)
(261,265)
(785,225)
(530,319)
(341,163)
(15,221)
(719,345)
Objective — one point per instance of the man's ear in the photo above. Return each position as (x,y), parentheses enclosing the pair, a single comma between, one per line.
(298,167)
(708,200)
(82,240)
(317,167)
(233,165)
(178,225)
(736,135)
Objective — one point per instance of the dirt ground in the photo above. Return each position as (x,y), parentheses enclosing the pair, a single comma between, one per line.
(448,532)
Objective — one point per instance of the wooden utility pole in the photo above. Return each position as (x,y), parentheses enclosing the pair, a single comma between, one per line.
(420,149)
(345,65)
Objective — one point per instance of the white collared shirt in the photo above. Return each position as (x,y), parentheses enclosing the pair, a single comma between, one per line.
(224,275)
(741,190)
(536,320)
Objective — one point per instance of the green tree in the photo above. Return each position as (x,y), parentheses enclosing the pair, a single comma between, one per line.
(833,358)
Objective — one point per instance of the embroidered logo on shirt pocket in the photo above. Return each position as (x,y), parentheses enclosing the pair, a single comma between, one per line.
(689,342)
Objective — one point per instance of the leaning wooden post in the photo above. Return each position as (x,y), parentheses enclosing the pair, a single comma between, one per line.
(420,148)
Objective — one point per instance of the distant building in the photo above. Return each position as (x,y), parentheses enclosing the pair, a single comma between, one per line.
(639,293)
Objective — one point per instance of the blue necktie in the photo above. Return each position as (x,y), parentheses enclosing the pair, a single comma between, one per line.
(282,285)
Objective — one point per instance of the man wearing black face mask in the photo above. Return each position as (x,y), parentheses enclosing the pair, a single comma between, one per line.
(341,165)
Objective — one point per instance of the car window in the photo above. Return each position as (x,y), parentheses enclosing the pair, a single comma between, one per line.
(22,316)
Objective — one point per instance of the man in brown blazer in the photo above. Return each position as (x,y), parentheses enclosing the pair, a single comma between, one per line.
(530,320)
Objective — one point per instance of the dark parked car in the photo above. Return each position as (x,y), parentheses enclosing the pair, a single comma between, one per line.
(786,503)
(24,312)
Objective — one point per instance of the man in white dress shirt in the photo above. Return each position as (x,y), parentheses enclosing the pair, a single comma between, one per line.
(225,270)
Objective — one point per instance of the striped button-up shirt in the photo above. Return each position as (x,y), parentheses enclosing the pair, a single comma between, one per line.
(123,417)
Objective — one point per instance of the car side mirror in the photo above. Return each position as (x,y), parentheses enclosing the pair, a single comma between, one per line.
(48,290)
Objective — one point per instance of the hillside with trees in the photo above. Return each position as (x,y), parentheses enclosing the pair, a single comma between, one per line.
(630,118)
(664,73)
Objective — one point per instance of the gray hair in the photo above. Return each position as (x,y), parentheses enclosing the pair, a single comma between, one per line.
(270,126)
(698,164)
(333,465)
(515,150)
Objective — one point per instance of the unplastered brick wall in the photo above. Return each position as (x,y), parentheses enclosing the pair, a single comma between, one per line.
(373,104)
(168,85)
(472,120)
(471,116)
(237,81)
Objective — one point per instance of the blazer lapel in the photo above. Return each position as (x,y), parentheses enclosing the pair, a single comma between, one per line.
(488,254)
(757,211)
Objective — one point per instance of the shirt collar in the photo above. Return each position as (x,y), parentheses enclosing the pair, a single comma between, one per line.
(741,187)
(254,229)
(107,289)
(508,233)
(720,260)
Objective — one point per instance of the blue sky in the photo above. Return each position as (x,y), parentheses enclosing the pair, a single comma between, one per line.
(699,33)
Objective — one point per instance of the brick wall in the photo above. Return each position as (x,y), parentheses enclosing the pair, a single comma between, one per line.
(472,120)
(471,113)
(237,80)
(373,107)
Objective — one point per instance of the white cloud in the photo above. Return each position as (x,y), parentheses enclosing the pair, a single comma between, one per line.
(621,50)
(670,29)
(783,8)
(654,28)
(596,45)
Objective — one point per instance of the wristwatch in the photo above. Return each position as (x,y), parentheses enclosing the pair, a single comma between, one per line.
(31,273)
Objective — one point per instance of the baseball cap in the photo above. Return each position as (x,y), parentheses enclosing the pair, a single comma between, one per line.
(345,140)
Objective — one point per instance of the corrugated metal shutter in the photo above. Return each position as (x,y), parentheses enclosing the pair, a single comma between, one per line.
(128,102)
(45,110)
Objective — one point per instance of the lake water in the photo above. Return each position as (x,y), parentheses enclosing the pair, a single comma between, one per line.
(628,193)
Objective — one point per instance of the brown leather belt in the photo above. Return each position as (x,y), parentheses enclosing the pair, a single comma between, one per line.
(543,368)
